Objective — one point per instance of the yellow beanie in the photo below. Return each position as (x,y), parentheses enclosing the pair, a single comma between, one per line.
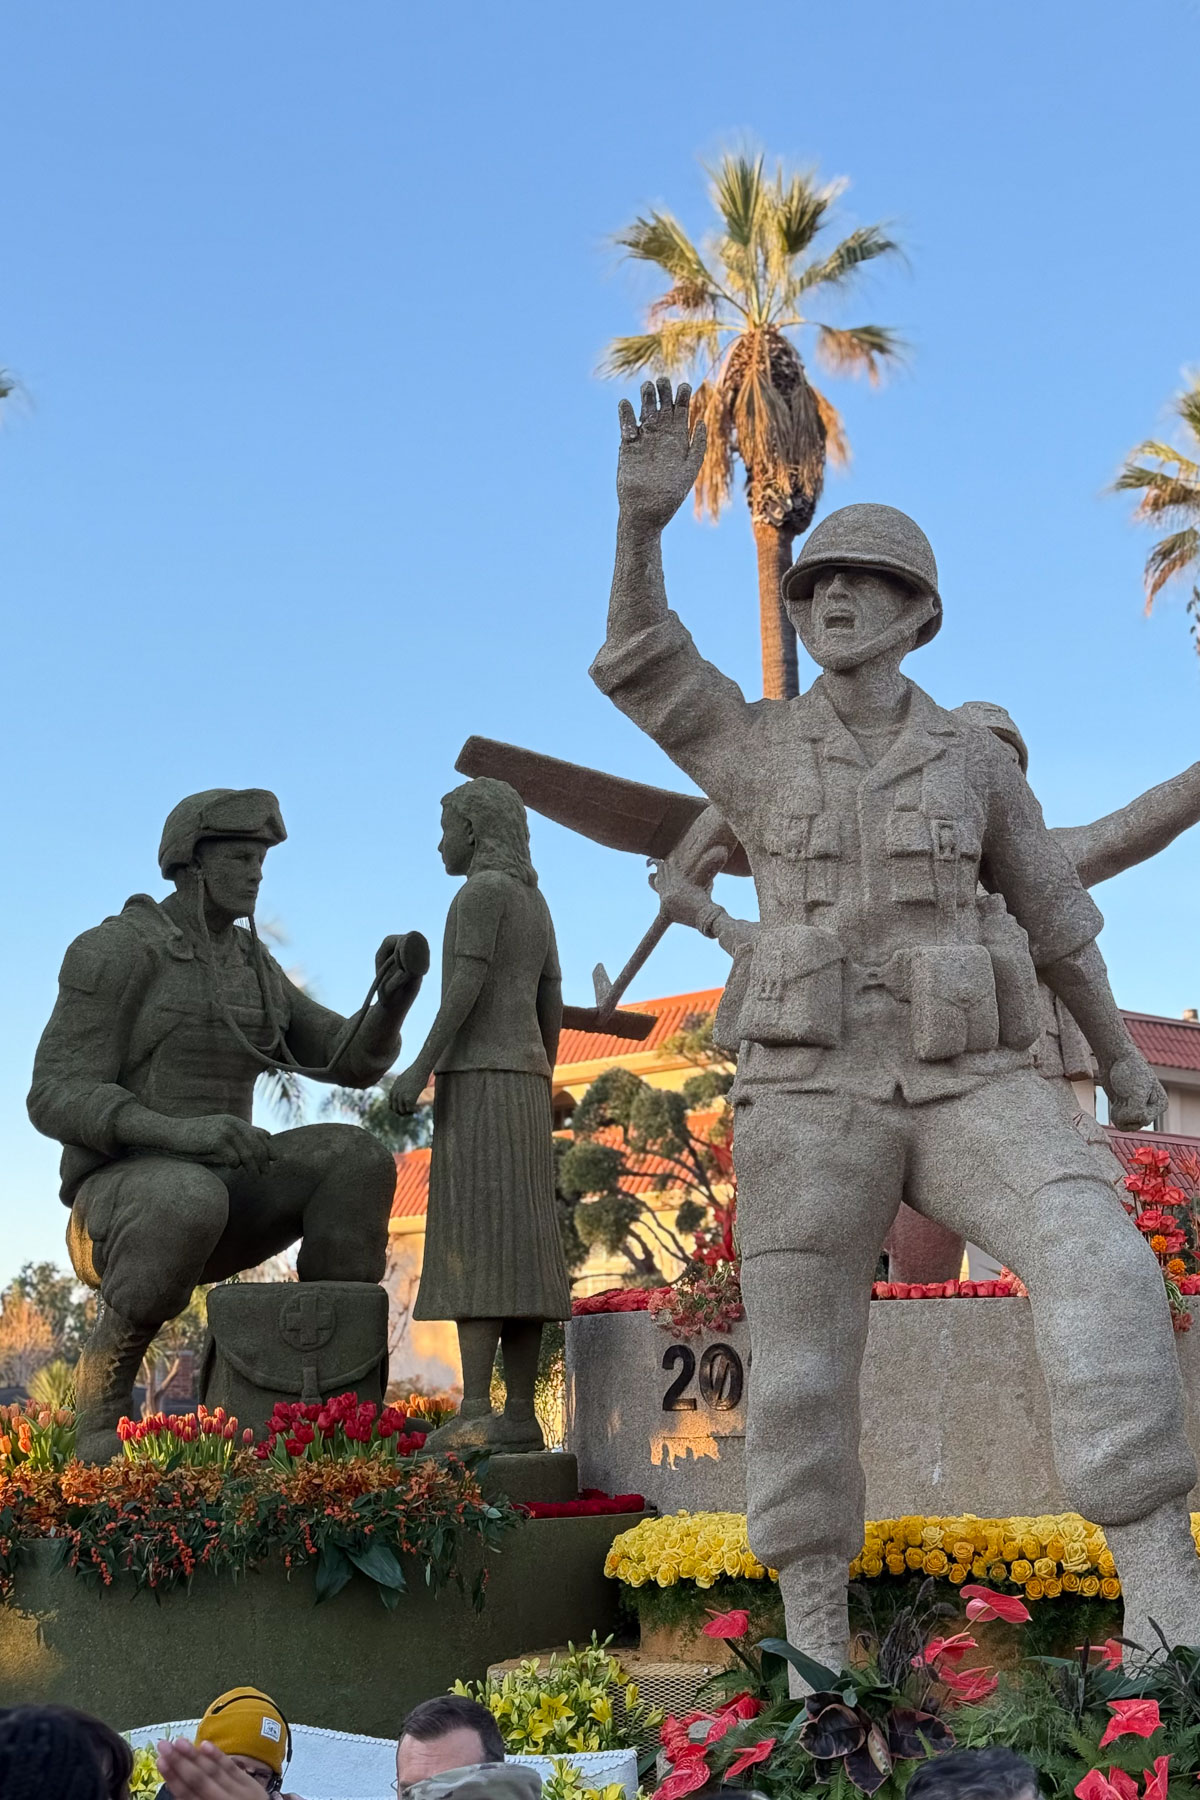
(245,1722)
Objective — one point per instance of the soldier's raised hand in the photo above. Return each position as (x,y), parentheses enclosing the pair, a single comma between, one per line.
(660,456)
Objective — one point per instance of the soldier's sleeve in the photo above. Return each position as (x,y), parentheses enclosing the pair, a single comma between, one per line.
(1022,861)
(699,716)
(76,1093)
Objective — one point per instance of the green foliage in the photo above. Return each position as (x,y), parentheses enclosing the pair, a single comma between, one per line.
(1168,480)
(371,1109)
(580,1701)
(68,1307)
(54,1385)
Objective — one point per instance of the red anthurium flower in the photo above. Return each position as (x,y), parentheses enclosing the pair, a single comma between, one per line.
(1156,1784)
(1109,1653)
(969,1685)
(983,1604)
(950,1650)
(743,1706)
(1131,1718)
(728,1625)
(1116,1785)
(744,1759)
(685,1778)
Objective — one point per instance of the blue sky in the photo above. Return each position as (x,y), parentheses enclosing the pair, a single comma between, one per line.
(314,477)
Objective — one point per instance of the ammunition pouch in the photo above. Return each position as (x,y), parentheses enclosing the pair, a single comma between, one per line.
(953,996)
(1018,1001)
(793,988)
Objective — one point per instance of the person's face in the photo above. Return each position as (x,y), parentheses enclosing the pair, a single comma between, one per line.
(849,610)
(460,1748)
(259,1772)
(232,869)
(456,849)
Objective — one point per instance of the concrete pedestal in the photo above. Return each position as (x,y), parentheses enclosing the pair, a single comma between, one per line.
(955,1416)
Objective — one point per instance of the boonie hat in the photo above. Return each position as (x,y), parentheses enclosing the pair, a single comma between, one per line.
(247,1722)
(479,1781)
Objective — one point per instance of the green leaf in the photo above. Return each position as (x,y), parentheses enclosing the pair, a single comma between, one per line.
(818,1677)
(334,1570)
(380,1564)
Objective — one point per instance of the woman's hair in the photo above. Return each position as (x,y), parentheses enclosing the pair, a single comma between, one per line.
(47,1754)
(112,1752)
(496,814)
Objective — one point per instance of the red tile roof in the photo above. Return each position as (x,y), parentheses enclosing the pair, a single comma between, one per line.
(672,1015)
(411,1199)
(1168,1043)
(1184,1153)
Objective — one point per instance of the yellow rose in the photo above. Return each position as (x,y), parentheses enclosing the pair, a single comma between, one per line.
(1034,1589)
(1021,1572)
(958,1572)
(872,1567)
(1054,1588)
(935,1562)
(1105,1563)
(1110,1588)
(914,1558)
(1070,1582)
(1044,1567)
(895,1565)
(1089,1587)
(998,1572)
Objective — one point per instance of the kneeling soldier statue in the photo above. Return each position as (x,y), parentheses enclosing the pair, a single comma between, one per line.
(885,1018)
(145,1074)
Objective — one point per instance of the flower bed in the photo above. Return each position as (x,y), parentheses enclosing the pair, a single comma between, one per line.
(590,1504)
(1093,1728)
(1045,1558)
(627,1300)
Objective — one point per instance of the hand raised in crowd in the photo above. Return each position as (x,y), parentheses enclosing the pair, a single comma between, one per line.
(202,1772)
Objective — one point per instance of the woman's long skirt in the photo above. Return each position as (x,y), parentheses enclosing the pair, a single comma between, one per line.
(492,1247)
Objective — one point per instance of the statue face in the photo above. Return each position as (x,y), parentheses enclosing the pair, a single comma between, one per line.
(232,869)
(458,842)
(850,612)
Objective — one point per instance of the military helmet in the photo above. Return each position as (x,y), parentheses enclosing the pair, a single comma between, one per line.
(993,718)
(867,536)
(218,813)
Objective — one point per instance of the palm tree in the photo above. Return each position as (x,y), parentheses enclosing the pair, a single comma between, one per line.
(1171,497)
(727,320)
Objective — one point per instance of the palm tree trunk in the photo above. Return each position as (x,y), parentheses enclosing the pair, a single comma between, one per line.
(781,677)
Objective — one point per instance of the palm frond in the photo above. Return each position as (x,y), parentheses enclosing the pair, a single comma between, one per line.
(837,444)
(7,384)
(857,350)
(1171,556)
(712,402)
(1132,473)
(695,299)
(1166,500)
(739,195)
(675,347)
(661,239)
(798,209)
(862,246)
(1188,407)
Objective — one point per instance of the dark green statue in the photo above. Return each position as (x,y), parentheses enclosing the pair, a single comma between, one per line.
(166,1014)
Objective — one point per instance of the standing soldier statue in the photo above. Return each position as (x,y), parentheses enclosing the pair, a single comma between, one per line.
(166,1015)
(885,1024)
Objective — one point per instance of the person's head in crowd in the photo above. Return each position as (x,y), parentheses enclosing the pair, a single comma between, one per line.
(994,1774)
(448,1732)
(112,1752)
(247,1725)
(46,1754)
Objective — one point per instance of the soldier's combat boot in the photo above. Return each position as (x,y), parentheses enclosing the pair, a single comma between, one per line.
(104,1381)
(1160,1576)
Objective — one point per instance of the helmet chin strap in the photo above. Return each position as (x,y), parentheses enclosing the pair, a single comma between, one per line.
(852,656)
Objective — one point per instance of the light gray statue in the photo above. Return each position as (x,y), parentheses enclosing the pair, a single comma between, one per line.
(493,1255)
(918,1249)
(166,1014)
(886,1023)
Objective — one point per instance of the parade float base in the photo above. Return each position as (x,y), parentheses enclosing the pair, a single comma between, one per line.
(348,1664)
(955,1415)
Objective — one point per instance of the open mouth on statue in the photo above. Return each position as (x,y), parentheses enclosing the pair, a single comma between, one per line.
(839,618)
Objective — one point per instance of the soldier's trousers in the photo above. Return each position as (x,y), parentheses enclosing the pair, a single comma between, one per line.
(148,1229)
(820,1177)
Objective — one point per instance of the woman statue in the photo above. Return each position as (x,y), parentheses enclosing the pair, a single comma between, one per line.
(493,1256)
